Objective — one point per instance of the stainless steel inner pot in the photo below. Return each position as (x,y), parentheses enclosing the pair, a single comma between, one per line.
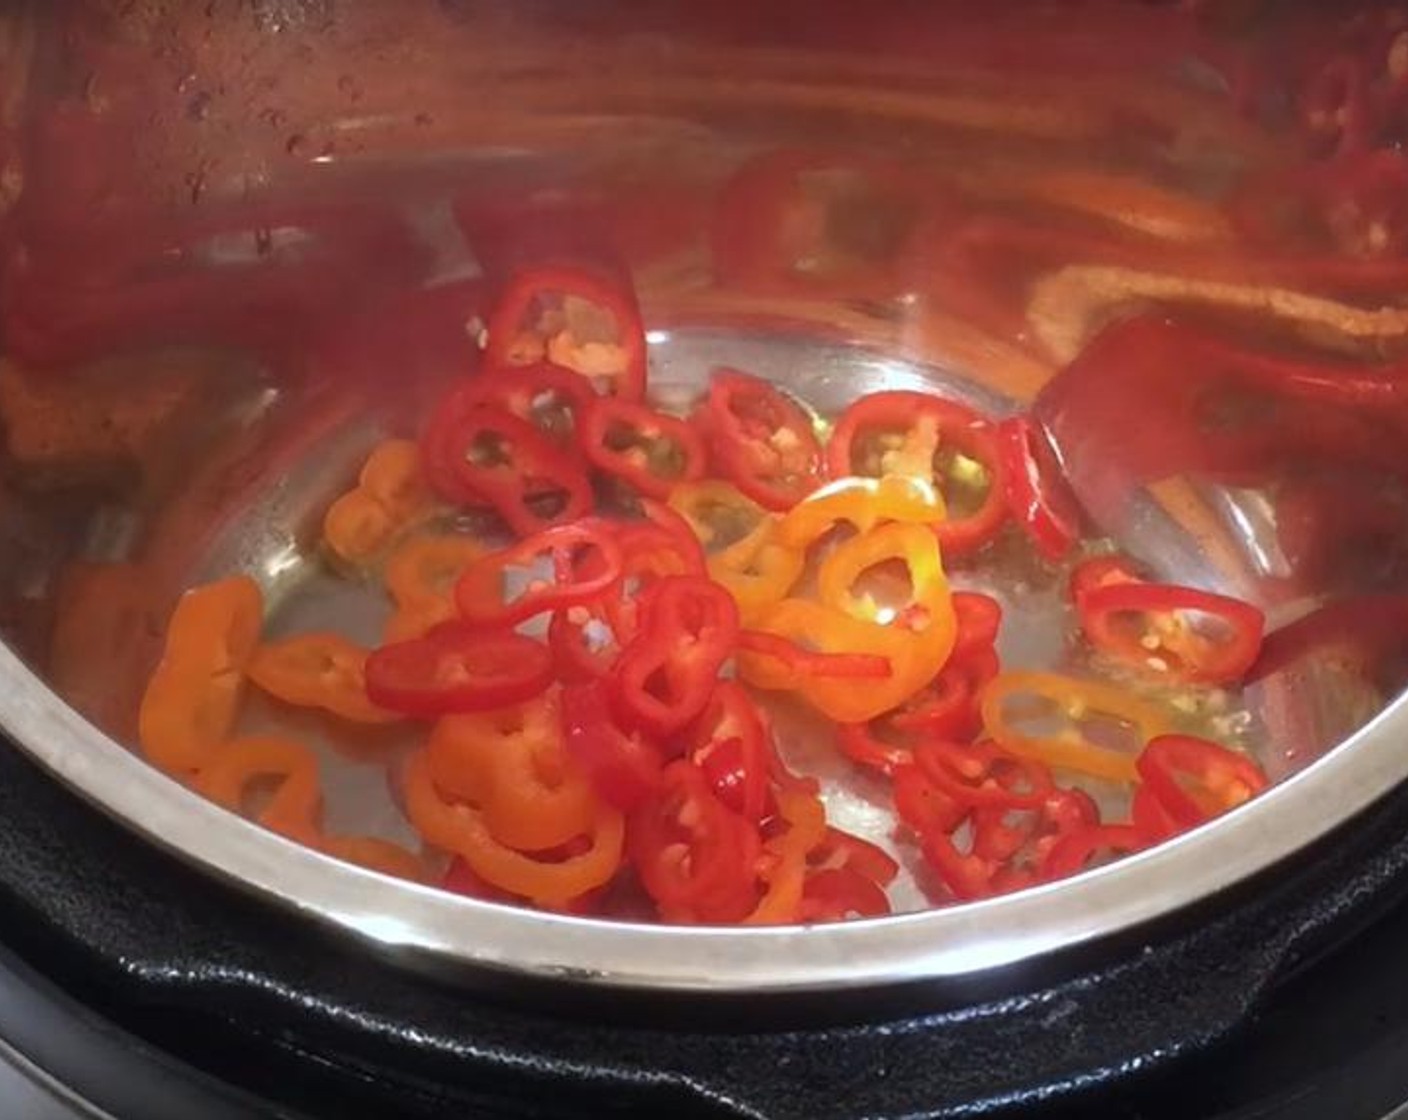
(226,129)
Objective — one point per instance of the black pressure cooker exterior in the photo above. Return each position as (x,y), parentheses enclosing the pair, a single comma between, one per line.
(135,983)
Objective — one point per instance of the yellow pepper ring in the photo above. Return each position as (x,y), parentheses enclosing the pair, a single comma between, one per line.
(1069,749)
(864,503)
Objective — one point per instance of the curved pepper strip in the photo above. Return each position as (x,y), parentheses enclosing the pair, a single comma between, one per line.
(914,658)
(293,809)
(461,829)
(1074,699)
(193,696)
(318,670)
(391,496)
(787,854)
(512,764)
(862,503)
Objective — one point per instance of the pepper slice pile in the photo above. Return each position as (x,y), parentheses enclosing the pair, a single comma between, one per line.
(584,679)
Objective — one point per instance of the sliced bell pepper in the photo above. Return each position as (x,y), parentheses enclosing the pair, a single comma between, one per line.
(193,696)
(1014,698)
(757,571)
(914,658)
(488,455)
(969,875)
(391,496)
(717,512)
(921,805)
(784,864)
(421,576)
(461,829)
(583,561)
(979,618)
(1150,819)
(1075,852)
(293,809)
(623,767)
(740,538)
(1158,627)
(862,503)
(573,317)
(318,670)
(666,674)
(841,851)
(551,398)
(763,441)
(651,549)
(651,451)
(1194,780)
(1037,495)
(583,641)
(791,665)
(983,775)
(513,765)
(729,743)
(695,857)
(1024,838)
(928,613)
(939,441)
(1101,571)
(457,668)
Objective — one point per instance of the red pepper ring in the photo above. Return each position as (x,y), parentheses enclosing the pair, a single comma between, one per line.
(649,450)
(762,441)
(569,584)
(1036,494)
(666,674)
(457,668)
(572,637)
(1194,780)
(1101,571)
(983,774)
(623,768)
(1036,831)
(550,397)
(1073,853)
(914,427)
(843,851)
(1167,644)
(695,857)
(731,744)
(524,295)
(799,663)
(490,455)
(923,806)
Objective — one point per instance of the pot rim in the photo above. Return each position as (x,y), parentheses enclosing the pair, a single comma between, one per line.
(949,943)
